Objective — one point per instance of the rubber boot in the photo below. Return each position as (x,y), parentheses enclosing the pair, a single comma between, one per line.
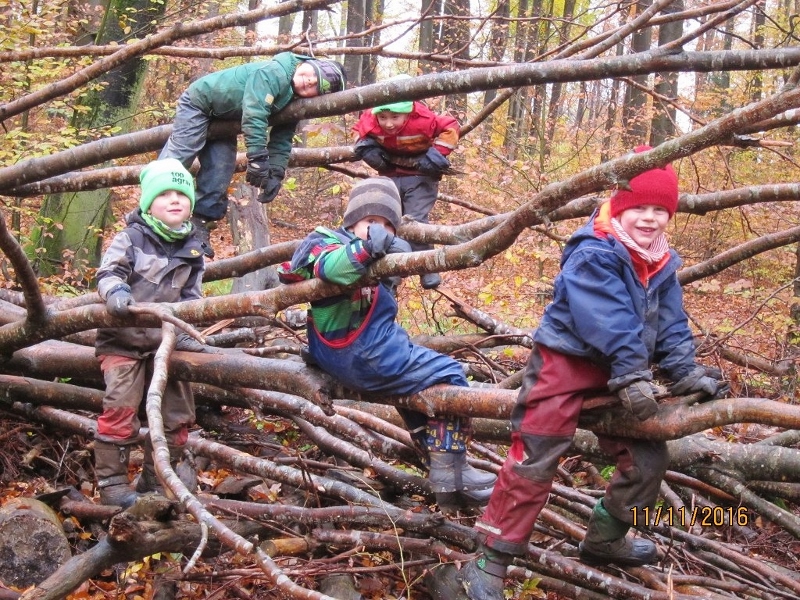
(202,229)
(111,470)
(430,281)
(481,578)
(606,542)
(456,483)
(184,468)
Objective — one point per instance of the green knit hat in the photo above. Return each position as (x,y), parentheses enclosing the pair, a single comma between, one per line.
(162,176)
(403,107)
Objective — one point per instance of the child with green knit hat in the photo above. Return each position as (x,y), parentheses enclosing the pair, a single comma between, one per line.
(155,258)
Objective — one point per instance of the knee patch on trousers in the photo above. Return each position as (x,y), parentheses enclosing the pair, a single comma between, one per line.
(541,454)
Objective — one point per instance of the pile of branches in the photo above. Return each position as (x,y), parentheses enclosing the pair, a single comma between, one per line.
(302,518)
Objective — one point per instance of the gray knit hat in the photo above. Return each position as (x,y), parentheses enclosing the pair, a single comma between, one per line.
(374,196)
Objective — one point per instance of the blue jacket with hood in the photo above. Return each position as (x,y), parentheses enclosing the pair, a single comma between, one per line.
(601,310)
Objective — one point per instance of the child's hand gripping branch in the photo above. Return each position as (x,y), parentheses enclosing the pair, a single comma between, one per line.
(262,175)
(638,397)
(372,153)
(705,380)
(379,240)
(119,300)
(433,163)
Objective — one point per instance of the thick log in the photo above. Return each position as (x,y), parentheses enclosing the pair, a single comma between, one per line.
(141,538)
(32,542)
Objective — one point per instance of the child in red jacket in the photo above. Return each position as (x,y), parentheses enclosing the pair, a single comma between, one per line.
(409,143)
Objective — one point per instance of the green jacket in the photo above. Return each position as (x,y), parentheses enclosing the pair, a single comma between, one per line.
(252,93)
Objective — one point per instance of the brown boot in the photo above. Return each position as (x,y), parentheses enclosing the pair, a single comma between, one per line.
(111,470)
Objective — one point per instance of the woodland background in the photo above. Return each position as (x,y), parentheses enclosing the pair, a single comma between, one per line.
(551,96)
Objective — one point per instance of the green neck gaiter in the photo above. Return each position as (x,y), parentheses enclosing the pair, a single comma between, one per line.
(164,231)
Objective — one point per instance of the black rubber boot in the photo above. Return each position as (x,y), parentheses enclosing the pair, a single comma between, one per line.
(456,483)
(430,281)
(111,470)
(483,577)
(606,542)
(480,579)
(202,229)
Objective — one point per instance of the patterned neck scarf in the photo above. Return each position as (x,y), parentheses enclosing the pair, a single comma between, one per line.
(164,231)
(650,255)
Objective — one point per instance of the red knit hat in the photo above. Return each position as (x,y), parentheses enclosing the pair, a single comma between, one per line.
(657,186)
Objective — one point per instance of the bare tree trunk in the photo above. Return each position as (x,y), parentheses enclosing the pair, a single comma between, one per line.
(455,38)
(68,234)
(374,17)
(663,125)
(427,11)
(356,20)
(635,106)
(498,40)
(553,111)
(250,230)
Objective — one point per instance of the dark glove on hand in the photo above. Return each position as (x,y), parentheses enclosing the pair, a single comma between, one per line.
(398,246)
(638,398)
(119,300)
(433,163)
(373,154)
(378,241)
(258,169)
(186,343)
(698,380)
(272,186)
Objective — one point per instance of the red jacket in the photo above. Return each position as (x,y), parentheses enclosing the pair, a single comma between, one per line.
(423,129)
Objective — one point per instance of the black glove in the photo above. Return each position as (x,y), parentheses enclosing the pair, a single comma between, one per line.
(272,186)
(433,163)
(703,380)
(258,169)
(119,300)
(186,343)
(639,399)
(373,154)
(378,241)
(399,245)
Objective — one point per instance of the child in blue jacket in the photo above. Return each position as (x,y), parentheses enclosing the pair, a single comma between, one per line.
(617,309)
(355,337)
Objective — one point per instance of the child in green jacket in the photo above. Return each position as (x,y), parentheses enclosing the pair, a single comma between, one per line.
(249,93)
(355,336)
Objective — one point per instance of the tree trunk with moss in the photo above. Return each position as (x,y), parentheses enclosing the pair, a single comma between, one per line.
(69,239)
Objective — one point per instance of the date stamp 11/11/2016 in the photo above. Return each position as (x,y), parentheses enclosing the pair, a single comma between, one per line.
(703,516)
